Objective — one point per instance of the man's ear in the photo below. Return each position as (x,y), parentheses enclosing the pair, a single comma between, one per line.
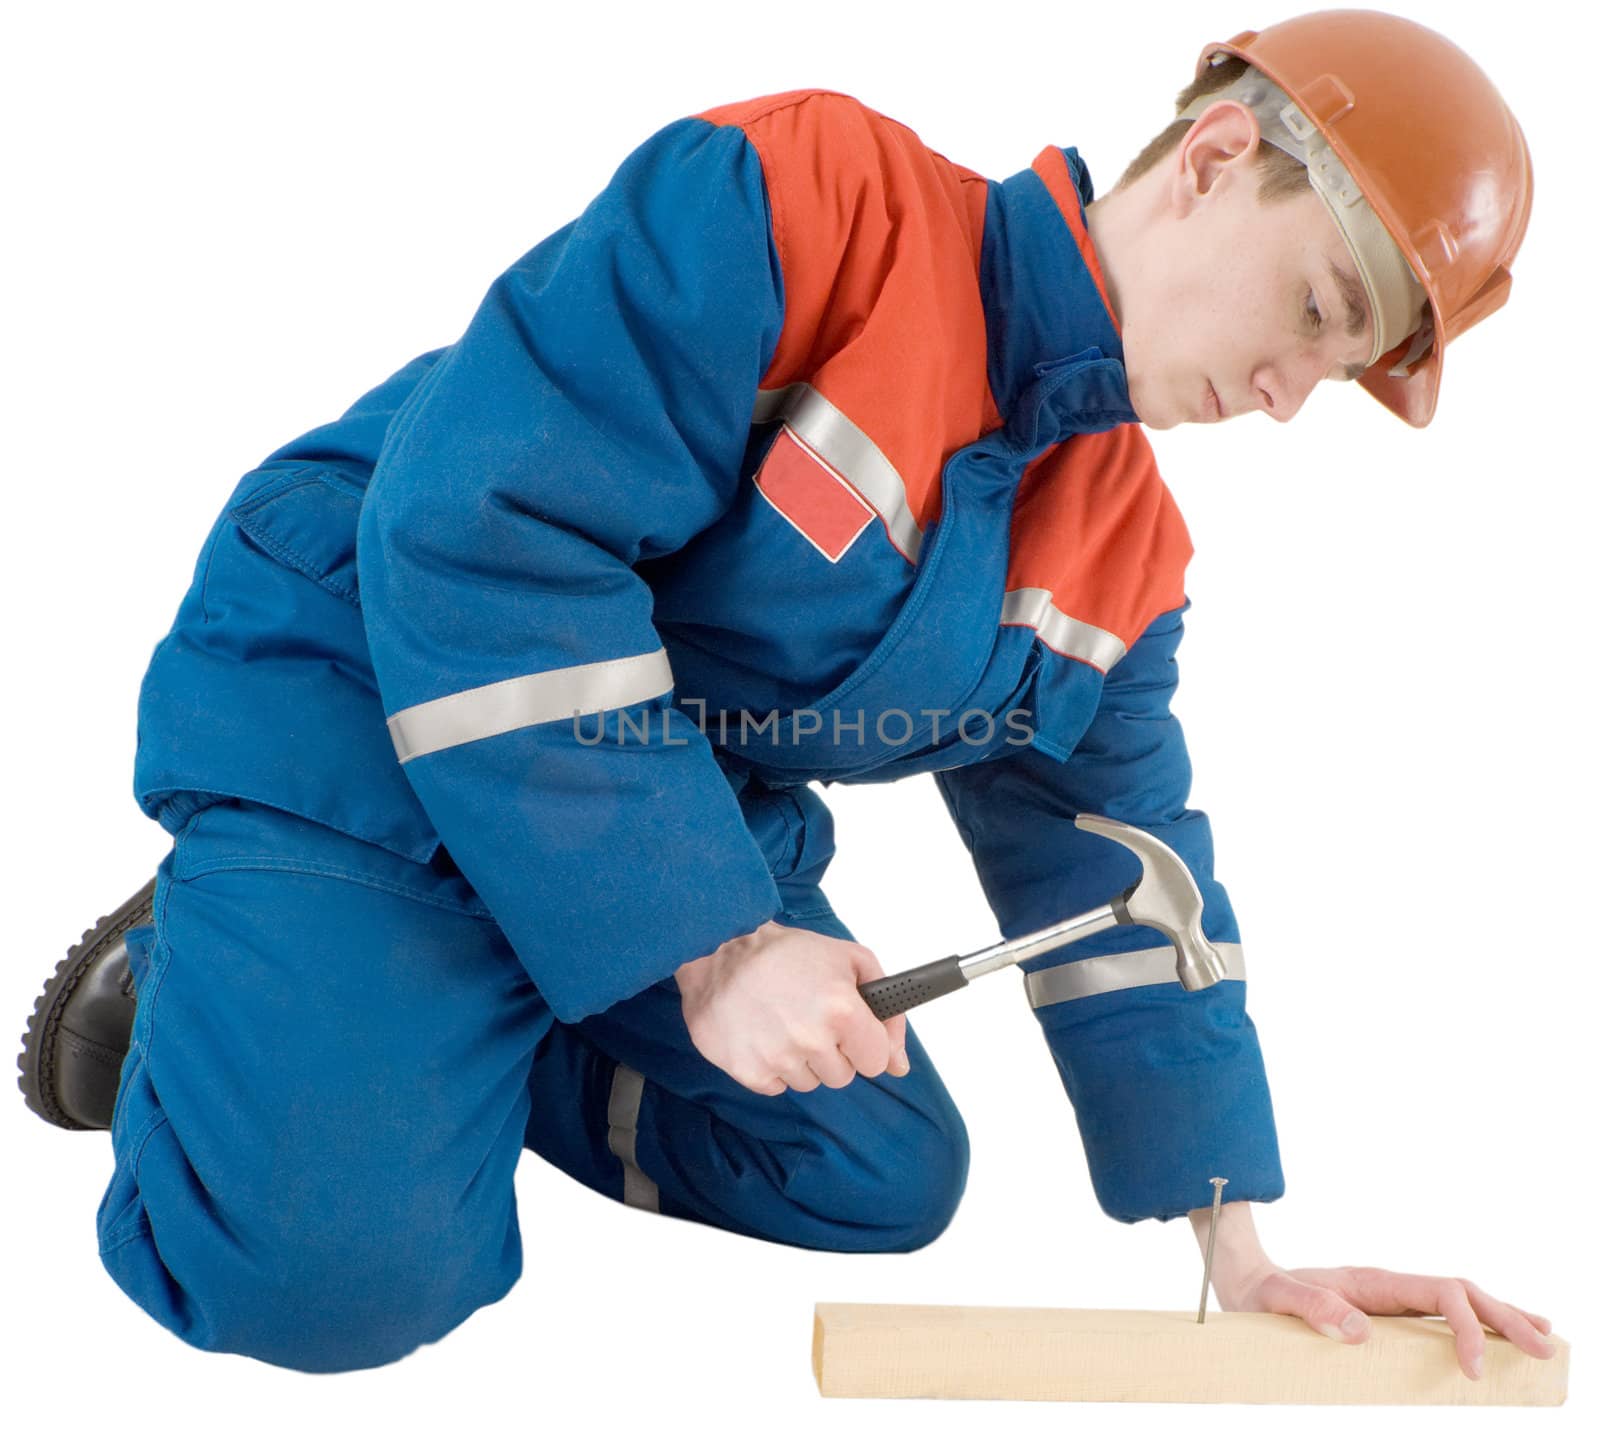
(1219,148)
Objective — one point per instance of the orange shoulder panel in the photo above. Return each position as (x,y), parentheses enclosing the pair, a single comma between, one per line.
(1095,526)
(879,239)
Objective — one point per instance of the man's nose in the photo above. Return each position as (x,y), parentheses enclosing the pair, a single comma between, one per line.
(1281,387)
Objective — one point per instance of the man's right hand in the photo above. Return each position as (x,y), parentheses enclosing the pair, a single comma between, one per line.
(779,1008)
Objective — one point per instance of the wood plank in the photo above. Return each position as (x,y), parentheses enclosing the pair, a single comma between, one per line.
(934,1351)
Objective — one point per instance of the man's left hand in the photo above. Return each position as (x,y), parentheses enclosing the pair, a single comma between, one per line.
(1336,1302)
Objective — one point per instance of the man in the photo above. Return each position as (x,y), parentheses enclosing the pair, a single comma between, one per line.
(485,731)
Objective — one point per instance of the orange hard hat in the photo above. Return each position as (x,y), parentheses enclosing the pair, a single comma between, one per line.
(1434,150)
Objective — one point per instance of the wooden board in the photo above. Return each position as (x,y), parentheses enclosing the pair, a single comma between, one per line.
(929,1351)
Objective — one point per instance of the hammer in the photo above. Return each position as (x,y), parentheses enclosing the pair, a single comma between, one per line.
(1165,897)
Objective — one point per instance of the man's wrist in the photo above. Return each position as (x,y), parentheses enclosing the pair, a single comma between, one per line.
(1238,1249)
(692,971)
(687,972)
(1238,1259)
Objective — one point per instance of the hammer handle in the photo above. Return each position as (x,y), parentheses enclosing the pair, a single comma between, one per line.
(901,992)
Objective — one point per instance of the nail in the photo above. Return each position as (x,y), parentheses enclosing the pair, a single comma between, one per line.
(900,1065)
(1211,1243)
(1475,1366)
(1352,1325)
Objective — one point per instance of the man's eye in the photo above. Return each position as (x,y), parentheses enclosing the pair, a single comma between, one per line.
(1311,308)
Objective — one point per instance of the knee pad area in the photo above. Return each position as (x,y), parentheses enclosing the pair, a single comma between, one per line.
(894,1197)
(300,1282)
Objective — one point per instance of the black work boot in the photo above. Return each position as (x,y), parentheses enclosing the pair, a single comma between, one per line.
(72,1052)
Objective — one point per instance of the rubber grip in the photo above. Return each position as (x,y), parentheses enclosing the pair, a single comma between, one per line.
(900,992)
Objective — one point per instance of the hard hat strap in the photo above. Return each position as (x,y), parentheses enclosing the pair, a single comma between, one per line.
(1396,298)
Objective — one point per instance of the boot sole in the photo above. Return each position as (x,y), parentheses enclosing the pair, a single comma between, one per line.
(36,1064)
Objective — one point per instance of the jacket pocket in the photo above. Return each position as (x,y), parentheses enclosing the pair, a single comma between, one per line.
(306,518)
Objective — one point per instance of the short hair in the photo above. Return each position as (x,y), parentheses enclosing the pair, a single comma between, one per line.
(1280,175)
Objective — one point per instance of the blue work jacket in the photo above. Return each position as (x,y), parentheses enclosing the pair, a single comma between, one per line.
(803,455)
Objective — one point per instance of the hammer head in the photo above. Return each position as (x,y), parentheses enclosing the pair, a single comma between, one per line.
(1166,897)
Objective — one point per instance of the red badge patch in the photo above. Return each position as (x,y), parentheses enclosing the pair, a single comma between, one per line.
(811,496)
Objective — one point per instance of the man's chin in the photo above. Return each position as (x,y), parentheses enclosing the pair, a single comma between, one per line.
(1164,410)
(1160,418)
(1152,410)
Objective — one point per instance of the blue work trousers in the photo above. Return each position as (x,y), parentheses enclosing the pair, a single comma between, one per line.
(337,1060)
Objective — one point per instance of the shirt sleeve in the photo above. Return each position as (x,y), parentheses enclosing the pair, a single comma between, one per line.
(1168,1086)
(594,414)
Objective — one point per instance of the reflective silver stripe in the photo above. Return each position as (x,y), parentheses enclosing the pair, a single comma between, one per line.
(849,451)
(1111,971)
(622,1114)
(1035,607)
(524,701)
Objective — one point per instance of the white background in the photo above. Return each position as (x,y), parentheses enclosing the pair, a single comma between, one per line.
(227,222)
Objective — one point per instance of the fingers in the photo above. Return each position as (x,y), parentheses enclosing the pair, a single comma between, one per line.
(870,1043)
(1541,1325)
(1458,1313)
(1462,1304)
(821,1035)
(1326,1311)
(1447,1297)
(868,969)
(830,1066)
(862,1038)
(1523,1329)
(799,1076)
(1385,1292)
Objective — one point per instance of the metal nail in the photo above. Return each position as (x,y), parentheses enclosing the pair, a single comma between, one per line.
(1211,1243)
